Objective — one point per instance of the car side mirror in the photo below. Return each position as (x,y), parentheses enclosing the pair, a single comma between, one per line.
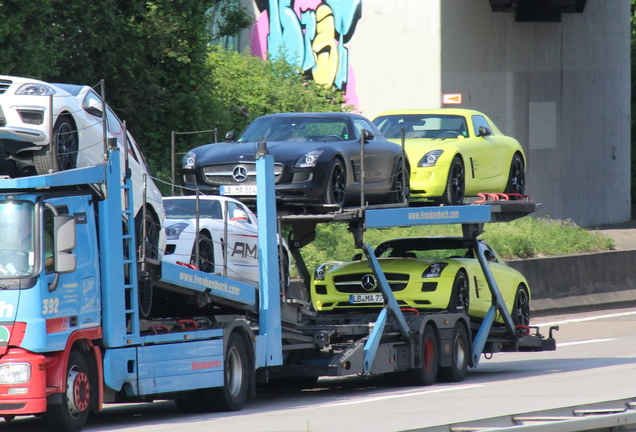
(357,257)
(367,135)
(94,111)
(484,131)
(230,136)
(490,255)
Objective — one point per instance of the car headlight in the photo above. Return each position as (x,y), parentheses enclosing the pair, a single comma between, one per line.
(189,160)
(309,159)
(430,158)
(434,270)
(321,270)
(174,231)
(15,373)
(34,89)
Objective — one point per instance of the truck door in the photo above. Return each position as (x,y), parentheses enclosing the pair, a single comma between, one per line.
(70,300)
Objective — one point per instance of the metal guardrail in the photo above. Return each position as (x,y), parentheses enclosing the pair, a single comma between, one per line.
(611,416)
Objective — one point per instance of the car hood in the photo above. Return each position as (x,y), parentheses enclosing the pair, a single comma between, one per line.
(244,151)
(387,264)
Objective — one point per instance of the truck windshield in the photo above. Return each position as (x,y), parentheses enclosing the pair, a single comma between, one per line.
(17,239)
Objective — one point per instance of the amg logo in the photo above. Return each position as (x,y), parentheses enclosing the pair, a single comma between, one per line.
(244,250)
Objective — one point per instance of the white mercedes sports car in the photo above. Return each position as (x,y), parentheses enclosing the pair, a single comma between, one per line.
(227,237)
(47,128)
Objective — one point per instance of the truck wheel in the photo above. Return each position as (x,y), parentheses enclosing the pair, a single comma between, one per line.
(460,353)
(427,373)
(72,413)
(459,301)
(61,152)
(233,394)
(205,260)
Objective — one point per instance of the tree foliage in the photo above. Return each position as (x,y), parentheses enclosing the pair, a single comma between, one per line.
(160,71)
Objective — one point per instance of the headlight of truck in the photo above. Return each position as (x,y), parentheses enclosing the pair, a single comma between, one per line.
(174,231)
(309,159)
(430,158)
(35,89)
(189,160)
(434,270)
(15,373)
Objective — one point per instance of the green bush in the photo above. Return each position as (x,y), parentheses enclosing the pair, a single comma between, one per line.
(523,238)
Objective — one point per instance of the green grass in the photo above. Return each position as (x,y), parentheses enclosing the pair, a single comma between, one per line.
(524,238)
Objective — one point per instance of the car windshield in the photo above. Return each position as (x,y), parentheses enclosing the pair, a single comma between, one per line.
(422,126)
(297,129)
(186,209)
(17,239)
(427,248)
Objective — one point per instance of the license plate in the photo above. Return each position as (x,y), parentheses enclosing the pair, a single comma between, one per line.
(238,190)
(366,298)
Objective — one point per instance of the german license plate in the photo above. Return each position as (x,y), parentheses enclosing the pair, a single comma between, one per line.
(238,190)
(366,298)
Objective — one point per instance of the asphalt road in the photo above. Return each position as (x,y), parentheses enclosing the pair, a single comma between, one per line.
(595,361)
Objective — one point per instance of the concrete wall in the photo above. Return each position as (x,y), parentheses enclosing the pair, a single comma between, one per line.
(561,88)
(580,282)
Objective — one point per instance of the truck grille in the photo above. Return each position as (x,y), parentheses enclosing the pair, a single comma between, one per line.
(352,283)
(226,174)
(4,85)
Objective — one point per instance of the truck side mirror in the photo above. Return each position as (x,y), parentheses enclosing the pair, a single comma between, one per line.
(64,242)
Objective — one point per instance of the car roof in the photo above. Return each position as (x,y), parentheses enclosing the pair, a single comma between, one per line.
(442,111)
(314,114)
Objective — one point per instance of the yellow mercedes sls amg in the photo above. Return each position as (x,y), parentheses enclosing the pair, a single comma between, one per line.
(424,273)
(455,153)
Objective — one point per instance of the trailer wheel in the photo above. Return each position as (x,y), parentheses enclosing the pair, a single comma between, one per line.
(427,373)
(72,413)
(460,354)
(233,394)
(521,308)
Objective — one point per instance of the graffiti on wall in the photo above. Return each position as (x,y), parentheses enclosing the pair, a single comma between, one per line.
(312,34)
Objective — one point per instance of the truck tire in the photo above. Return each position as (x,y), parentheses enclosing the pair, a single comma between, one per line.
(72,413)
(426,374)
(460,351)
(233,394)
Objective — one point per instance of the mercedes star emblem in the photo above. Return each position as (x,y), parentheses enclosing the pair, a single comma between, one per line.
(239,173)
(368,282)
